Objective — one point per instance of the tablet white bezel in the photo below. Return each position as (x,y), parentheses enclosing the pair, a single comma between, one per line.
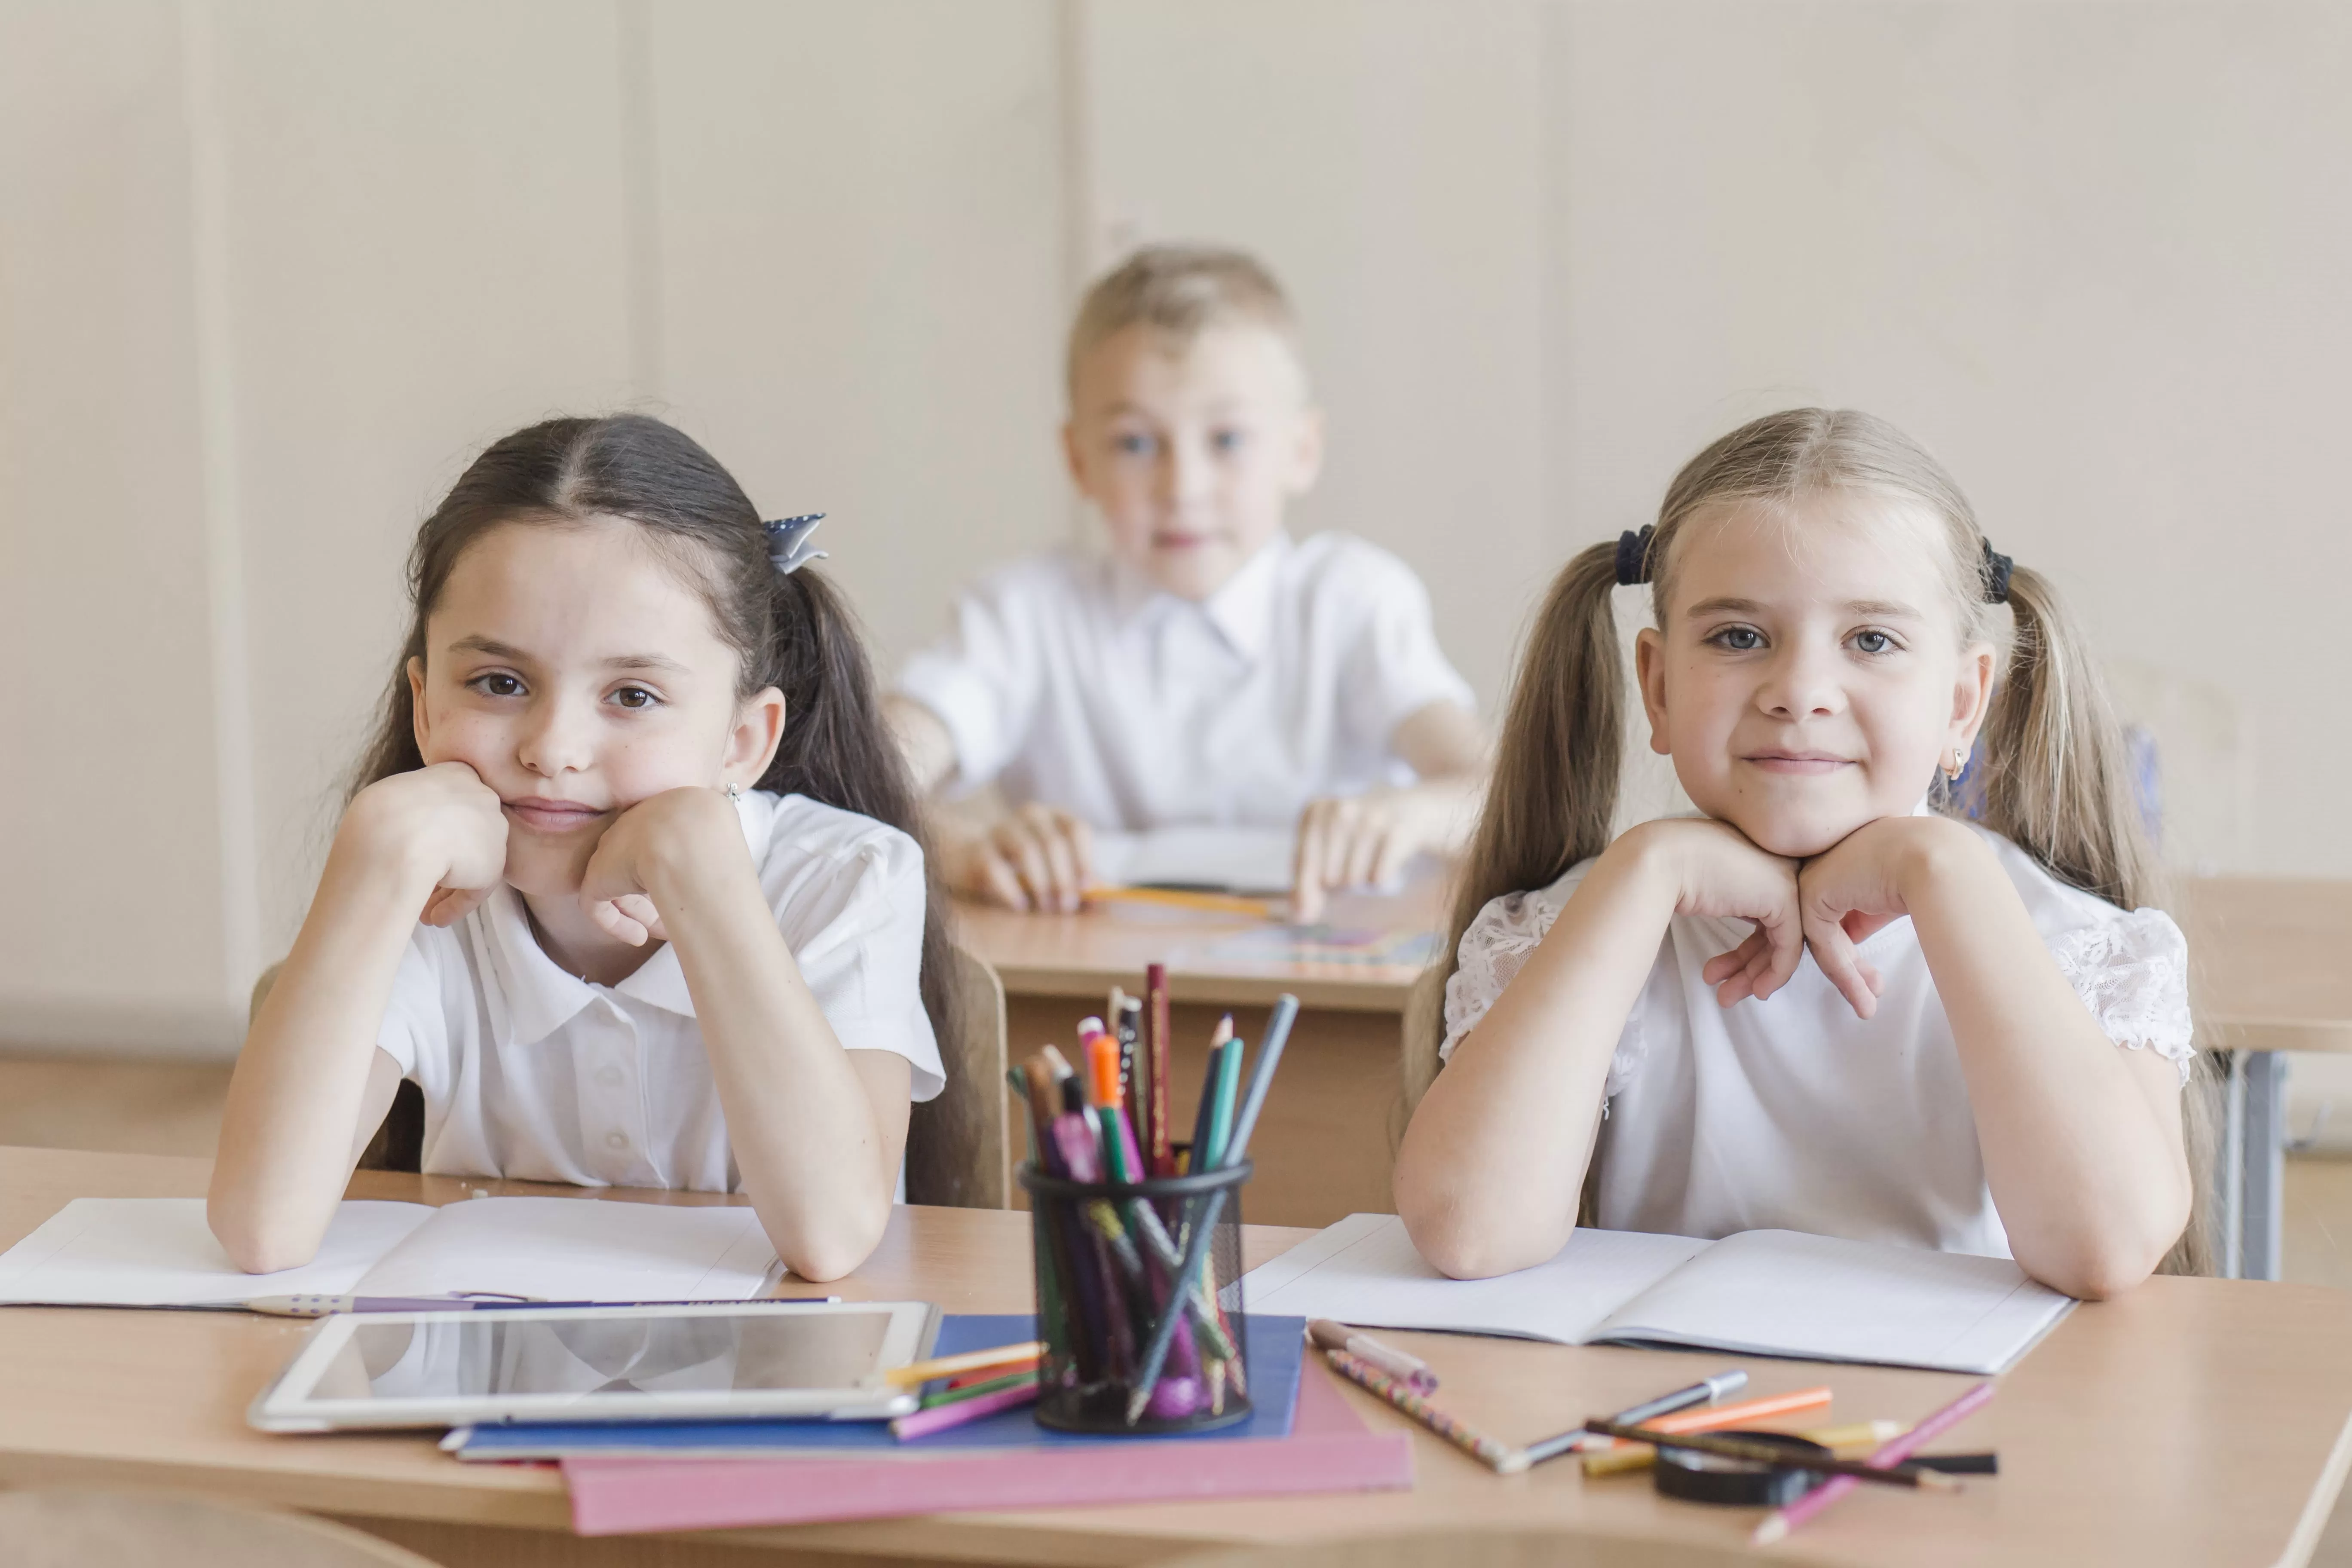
(285,1403)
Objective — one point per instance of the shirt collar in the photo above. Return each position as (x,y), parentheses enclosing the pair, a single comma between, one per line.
(1242,609)
(541,996)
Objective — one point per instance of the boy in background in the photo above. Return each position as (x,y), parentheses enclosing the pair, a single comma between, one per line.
(1210,669)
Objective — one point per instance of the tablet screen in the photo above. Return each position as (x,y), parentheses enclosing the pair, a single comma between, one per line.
(599,1363)
(493,1352)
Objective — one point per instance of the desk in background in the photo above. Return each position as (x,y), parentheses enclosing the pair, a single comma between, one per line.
(1328,1133)
(2195,1423)
(2271,971)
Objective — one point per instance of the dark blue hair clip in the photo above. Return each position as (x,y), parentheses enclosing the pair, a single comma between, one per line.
(1633,555)
(788,546)
(1997,570)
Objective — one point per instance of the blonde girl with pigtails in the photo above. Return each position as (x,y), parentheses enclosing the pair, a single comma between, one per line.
(1825,1002)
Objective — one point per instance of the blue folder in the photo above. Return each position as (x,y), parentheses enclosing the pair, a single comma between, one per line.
(1276,1347)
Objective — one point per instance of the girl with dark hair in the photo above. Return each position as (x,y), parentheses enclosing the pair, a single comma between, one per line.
(676,926)
(1826,1003)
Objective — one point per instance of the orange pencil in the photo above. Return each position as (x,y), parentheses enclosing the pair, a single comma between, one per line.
(1708,1418)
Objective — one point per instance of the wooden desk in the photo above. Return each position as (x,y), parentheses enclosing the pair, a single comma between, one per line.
(1327,1136)
(2271,971)
(2195,1421)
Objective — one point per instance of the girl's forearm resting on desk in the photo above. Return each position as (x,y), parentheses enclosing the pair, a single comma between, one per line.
(2081,1138)
(1492,1165)
(816,1130)
(307,1089)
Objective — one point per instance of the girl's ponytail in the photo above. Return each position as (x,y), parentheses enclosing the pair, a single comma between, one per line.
(2058,783)
(2058,780)
(1554,790)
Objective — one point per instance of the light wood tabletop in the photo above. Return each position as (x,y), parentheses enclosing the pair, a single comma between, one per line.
(1084,954)
(2191,1422)
(2269,962)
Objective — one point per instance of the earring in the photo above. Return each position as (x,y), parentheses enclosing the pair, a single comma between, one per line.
(734,792)
(1959,761)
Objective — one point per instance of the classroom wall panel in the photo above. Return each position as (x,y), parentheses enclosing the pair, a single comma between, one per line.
(113,923)
(862,278)
(428,247)
(2086,253)
(1386,159)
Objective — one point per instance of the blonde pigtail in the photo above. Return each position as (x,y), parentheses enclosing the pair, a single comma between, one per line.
(2059,786)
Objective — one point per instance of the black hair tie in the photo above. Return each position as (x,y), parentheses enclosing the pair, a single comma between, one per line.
(1997,568)
(788,546)
(1633,556)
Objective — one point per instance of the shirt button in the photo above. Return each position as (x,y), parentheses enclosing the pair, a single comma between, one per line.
(617,1140)
(610,1078)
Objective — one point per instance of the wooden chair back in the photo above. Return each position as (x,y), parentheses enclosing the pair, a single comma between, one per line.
(958,1145)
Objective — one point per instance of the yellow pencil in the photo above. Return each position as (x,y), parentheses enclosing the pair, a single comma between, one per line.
(948,1366)
(1178,899)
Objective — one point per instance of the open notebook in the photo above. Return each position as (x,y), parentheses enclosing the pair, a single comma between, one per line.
(1251,861)
(158,1252)
(1761,1292)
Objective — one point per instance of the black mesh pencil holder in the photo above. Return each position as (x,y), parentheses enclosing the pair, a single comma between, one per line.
(1110,1255)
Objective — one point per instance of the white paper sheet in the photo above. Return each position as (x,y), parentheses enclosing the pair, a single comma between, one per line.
(1763,1292)
(1781,1293)
(159,1252)
(1251,861)
(1364,1271)
(573,1249)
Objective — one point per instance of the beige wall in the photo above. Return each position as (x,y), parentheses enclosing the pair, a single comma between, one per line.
(270,271)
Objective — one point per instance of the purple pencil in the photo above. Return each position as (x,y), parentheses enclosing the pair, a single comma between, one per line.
(939,1417)
(1777,1526)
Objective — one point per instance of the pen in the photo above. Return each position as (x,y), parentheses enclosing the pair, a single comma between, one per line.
(1706,1392)
(1331,1336)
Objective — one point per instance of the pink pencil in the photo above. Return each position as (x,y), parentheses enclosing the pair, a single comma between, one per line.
(1777,1526)
(939,1417)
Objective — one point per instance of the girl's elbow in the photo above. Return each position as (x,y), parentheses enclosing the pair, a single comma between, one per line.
(828,1253)
(1454,1244)
(257,1244)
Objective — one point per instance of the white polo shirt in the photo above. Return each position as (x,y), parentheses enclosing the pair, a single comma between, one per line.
(1071,679)
(531,1072)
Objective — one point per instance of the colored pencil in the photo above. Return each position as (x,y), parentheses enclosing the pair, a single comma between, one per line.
(955,1393)
(939,1418)
(1761,1453)
(1626,1458)
(1706,1392)
(1718,1417)
(948,1365)
(1777,1526)
(1179,898)
(1157,1134)
(1497,1457)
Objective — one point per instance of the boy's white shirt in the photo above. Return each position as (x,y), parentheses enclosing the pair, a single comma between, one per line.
(1793,1113)
(532,1072)
(1070,680)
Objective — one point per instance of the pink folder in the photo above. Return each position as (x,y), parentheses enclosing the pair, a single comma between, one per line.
(1329,1449)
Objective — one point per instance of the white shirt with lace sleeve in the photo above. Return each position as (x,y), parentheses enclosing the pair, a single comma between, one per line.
(1793,1113)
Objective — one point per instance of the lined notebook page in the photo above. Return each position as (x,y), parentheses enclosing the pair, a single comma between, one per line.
(574,1249)
(1781,1293)
(1364,1271)
(159,1252)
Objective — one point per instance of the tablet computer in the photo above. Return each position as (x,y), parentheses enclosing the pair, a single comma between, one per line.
(750,1359)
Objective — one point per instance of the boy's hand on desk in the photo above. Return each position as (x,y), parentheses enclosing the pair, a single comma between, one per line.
(1364,840)
(1040,857)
